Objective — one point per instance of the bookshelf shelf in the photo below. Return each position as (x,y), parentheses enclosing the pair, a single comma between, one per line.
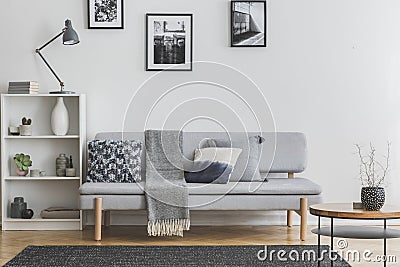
(41,95)
(44,178)
(42,137)
(38,219)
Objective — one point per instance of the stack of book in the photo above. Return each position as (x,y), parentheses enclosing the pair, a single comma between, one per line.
(28,87)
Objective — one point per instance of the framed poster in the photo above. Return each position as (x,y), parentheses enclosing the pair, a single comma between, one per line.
(169,42)
(105,14)
(248,23)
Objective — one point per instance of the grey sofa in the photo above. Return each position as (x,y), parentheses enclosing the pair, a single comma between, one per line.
(283,153)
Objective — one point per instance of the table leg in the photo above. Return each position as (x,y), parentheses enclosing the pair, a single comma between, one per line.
(319,240)
(384,242)
(331,252)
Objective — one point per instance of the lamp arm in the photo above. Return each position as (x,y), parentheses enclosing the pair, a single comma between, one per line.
(54,38)
(47,63)
(51,69)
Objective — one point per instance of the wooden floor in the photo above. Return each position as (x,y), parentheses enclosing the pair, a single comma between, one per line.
(12,242)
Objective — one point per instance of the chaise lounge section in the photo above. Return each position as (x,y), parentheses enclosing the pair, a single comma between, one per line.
(283,155)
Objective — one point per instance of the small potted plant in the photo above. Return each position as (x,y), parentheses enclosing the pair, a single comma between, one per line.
(26,128)
(23,163)
(372,176)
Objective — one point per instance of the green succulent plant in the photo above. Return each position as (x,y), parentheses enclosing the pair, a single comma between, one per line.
(23,161)
(26,121)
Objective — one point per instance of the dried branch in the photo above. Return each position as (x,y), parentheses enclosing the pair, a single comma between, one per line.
(384,168)
(372,172)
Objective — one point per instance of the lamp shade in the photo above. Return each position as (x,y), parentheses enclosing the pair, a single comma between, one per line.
(70,37)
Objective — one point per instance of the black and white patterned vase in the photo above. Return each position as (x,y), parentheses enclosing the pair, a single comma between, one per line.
(373,198)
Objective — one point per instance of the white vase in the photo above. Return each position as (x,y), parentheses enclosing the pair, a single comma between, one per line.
(60,118)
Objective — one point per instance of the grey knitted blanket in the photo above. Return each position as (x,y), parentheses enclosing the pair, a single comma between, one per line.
(166,192)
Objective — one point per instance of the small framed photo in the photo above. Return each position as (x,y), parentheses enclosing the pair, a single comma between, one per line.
(105,14)
(169,42)
(248,23)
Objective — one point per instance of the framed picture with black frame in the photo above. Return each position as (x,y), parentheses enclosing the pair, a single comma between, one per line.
(169,42)
(248,23)
(105,14)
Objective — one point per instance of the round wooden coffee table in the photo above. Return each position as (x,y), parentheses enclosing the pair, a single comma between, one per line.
(346,211)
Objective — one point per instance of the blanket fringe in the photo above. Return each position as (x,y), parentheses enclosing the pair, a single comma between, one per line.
(168,227)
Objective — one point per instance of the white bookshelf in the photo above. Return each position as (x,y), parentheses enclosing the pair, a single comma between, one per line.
(44,147)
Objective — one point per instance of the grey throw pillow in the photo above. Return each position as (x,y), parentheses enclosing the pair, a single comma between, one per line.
(246,168)
(111,161)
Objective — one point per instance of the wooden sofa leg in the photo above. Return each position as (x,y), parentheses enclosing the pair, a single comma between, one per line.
(303,215)
(289,212)
(98,218)
(107,218)
(289,218)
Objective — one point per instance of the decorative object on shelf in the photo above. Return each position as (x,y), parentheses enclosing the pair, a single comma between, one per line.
(70,37)
(21,172)
(42,173)
(23,163)
(29,87)
(25,128)
(70,170)
(27,214)
(61,165)
(60,213)
(372,176)
(17,207)
(13,130)
(60,118)
(248,24)
(106,14)
(169,43)
(34,173)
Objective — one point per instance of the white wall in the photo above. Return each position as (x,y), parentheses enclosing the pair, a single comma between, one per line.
(331,70)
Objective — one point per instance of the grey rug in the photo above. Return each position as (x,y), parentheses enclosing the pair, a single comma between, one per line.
(167,256)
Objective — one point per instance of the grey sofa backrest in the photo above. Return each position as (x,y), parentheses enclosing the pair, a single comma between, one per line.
(290,154)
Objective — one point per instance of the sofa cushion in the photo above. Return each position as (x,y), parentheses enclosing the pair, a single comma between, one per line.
(246,168)
(114,161)
(275,186)
(205,202)
(212,165)
(112,188)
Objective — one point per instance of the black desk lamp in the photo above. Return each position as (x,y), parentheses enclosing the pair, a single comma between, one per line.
(70,37)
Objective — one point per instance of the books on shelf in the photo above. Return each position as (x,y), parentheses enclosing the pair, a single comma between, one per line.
(26,83)
(24,92)
(28,87)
